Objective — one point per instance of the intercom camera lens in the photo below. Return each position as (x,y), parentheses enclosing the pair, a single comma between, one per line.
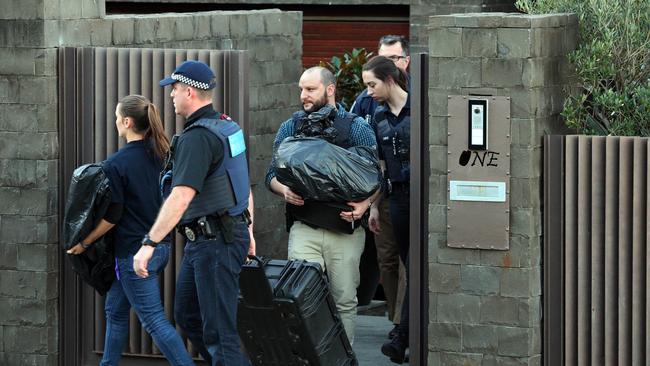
(477,111)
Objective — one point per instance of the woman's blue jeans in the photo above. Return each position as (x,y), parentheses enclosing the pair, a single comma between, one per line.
(144,295)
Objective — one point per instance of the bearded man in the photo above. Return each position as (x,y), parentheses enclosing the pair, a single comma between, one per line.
(336,251)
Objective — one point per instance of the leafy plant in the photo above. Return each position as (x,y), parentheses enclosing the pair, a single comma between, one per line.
(612,64)
(347,70)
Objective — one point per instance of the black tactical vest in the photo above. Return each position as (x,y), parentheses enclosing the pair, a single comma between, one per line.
(395,143)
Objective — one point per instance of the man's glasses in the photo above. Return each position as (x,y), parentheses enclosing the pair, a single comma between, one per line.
(395,58)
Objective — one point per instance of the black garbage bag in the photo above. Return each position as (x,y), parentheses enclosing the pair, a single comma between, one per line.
(88,199)
(318,170)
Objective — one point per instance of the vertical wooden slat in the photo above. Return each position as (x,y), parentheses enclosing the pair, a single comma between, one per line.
(111,97)
(553,265)
(135,71)
(419,206)
(571,252)
(180,56)
(100,102)
(217,63)
(597,250)
(147,81)
(123,85)
(638,250)
(584,250)
(625,250)
(69,285)
(612,150)
(606,190)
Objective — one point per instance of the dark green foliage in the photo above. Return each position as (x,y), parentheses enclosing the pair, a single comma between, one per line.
(347,70)
(612,64)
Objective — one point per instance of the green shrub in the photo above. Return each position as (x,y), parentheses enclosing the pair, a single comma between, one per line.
(612,64)
(347,70)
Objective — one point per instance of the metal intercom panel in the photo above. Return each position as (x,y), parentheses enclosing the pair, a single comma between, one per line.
(478,179)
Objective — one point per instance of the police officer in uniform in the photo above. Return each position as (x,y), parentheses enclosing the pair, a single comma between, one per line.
(320,232)
(387,84)
(392,273)
(208,201)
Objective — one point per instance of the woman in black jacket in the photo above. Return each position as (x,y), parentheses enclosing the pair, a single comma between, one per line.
(133,173)
(388,85)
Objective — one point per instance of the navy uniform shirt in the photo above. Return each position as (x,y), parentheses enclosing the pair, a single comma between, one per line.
(393,120)
(197,153)
(364,106)
(133,173)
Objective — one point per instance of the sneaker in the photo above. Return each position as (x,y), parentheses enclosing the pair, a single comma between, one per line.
(393,332)
(395,350)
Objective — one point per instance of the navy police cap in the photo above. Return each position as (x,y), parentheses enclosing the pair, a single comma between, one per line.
(193,73)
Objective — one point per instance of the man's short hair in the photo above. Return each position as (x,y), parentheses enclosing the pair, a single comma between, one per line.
(326,76)
(206,94)
(391,39)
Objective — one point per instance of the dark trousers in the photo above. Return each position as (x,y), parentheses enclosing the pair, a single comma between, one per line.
(399,216)
(206,296)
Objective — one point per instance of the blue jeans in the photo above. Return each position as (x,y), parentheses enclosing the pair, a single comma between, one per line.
(144,295)
(207,290)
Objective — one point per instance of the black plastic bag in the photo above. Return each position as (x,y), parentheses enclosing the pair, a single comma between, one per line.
(87,202)
(318,170)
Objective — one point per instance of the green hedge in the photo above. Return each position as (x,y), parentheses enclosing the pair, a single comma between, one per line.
(612,64)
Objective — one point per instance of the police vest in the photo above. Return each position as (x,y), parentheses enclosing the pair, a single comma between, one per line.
(321,214)
(395,143)
(341,124)
(226,189)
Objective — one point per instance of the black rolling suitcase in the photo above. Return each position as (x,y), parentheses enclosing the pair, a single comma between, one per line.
(287,316)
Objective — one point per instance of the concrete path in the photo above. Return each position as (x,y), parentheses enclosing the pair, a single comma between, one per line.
(371,333)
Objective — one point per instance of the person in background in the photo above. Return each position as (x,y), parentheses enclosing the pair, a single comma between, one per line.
(208,198)
(391,272)
(388,85)
(336,251)
(133,173)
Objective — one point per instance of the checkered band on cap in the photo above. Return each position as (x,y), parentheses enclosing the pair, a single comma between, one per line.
(190,82)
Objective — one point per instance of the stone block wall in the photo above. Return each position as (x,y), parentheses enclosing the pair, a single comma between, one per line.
(485,306)
(421,10)
(30,32)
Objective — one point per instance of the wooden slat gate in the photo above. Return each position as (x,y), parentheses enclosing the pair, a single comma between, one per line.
(596,231)
(91,81)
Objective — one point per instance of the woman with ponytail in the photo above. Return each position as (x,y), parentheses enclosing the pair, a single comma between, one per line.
(388,85)
(133,173)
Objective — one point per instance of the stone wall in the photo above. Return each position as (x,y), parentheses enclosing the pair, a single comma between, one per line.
(421,10)
(30,32)
(484,305)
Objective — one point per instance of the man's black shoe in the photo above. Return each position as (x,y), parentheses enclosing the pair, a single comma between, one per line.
(393,332)
(395,350)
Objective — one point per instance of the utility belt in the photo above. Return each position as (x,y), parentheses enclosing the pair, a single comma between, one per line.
(210,226)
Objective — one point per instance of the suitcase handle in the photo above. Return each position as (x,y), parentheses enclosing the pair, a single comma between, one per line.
(253,257)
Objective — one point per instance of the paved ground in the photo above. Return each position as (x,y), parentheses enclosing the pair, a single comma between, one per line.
(371,333)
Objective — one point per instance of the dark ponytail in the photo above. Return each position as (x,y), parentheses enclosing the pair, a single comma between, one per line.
(384,69)
(147,121)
